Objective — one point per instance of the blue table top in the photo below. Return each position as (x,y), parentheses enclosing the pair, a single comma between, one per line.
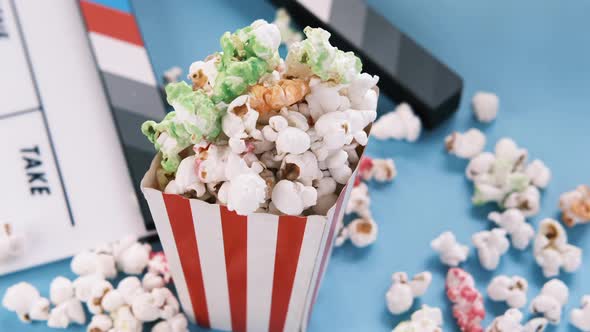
(534,55)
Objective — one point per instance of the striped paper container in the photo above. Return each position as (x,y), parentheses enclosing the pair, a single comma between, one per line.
(252,273)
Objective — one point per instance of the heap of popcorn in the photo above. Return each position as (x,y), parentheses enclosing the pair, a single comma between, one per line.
(261,134)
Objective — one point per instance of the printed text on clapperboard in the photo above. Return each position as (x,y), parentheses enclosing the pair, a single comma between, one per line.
(38,184)
(3,32)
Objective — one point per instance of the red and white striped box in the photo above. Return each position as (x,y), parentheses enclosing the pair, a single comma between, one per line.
(252,273)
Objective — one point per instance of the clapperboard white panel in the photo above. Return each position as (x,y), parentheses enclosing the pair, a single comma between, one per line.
(65,180)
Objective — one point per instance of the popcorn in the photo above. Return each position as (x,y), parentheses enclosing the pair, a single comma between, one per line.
(186,180)
(159,303)
(129,288)
(580,317)
(512,290)
(362,232)
(466,145)
(485,106)
(491,245)
(400,124)
(514,223)
(552,251)
(40,309)
(509,322)
(93,262)
(359,201)
(177,323)
(158,264)
(172,75)
(288,35)
(98,291)
(269,100)
(131,256)
(337,129)
(303,168)
(402,292)
(100,323)
(468,305)
(83,286)
(11,243)
(152,280)
(505,178)
(22,299)
(125,321)
(382,170)
(538,324)
(451,252)
(61,290)
(550,301)
(575,206)
(293,197)
(426,319)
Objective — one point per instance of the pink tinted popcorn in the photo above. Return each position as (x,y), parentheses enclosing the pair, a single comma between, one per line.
(468,306)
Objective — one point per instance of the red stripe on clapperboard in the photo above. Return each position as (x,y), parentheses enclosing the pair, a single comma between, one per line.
(235,245)
(181,222)
(111,22)
(328,247)
(289,240)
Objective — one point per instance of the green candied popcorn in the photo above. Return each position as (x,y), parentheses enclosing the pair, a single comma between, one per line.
(194,117)
(323,59)
(247,54)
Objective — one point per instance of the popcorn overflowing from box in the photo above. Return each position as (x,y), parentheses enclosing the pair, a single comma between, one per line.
(258,157)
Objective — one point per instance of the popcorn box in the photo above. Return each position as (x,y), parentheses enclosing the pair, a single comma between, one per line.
(259,272)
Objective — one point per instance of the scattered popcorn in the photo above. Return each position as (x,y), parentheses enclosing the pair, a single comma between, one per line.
(362,232)
(83,286)
(491,245)
(550,301)
(451,252)
(131,256)
(152,280)
(61,290)
(93,262)
(466,145)
(505,178)
(97,293)
(580,317)
(485,106)
(538,324)
(552,250)
(575,206)
(400,124)
(100,323)
(125,321)
(402,292)
(22,298)
(158,264)
(426,319)
(40,309)
(514,223)
(172,75)
(66,313)
(359,201)
(11,242)
(468,305)
(509,322)
(512,290)
(381,170)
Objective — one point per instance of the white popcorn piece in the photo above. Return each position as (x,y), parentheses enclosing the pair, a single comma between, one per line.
(512,290)
(145,307)
(362,232)
(112,300)
(100,323)
(361,92)
(20,299)
(550,301)
(575,206)
(400,124)
(337,129)
(359,201)
(61,289)
(539,174)
(491,245)
(302,167)
(244,193)
(325,98)
(509,322)
(131,256)
(92,262)
(402,293)
(538,324)
(507,149)
(169,305)
(11,243)
(485,106)
(382,170)
(40,309)
(552,250)
(292,140)
(514,222)
(527,201)
(426,319)
(152,280)
(83,286)
(580,317)
(97,293)
(451,252)
(186,180)
(178,323)
(130,288)
(172,75)
(66,313)
(480,165)
(204,70)
(466,145)
(292,198)
(125,321)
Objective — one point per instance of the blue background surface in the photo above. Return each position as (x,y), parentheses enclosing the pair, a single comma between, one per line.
(534,54)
